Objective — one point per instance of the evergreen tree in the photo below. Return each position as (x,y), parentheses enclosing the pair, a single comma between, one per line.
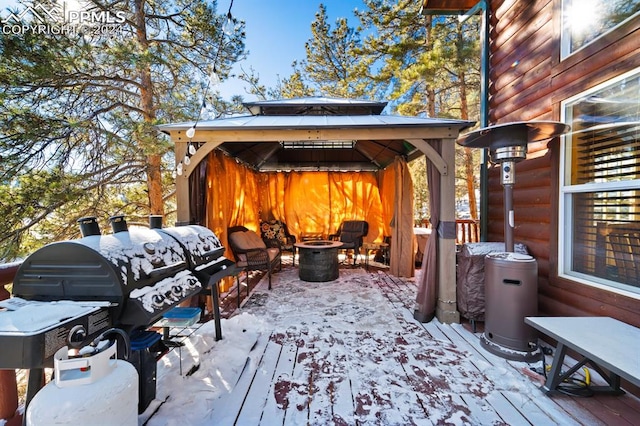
(428,65)
(331,64)
(78,110)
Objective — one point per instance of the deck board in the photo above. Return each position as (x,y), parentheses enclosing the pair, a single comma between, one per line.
(226,409)
(324,377)
(258,394)
(274,410)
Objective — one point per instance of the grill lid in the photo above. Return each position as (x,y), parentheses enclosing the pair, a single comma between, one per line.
(204,249)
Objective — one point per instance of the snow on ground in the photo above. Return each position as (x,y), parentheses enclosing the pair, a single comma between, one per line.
(340,328)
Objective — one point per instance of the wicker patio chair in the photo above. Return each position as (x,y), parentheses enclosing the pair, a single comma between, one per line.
(251,253)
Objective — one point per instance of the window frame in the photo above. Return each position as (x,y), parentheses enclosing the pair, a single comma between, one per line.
(566,190)
(565,38)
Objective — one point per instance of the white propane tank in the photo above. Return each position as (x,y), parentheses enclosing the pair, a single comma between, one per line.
(97,389)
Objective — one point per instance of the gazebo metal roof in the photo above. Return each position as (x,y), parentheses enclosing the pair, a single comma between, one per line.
(318,105)
(316,133)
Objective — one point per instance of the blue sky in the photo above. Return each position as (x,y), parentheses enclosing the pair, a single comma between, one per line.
(276,31)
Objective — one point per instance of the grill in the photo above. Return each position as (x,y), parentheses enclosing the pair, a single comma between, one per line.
(141,272)
(128,280)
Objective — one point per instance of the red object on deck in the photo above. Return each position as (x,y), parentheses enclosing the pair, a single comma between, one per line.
(8,386)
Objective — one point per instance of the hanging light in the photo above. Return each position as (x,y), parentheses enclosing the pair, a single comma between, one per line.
(230,26)
(214,79)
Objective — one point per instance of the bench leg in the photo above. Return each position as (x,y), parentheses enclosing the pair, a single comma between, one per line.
(613,381)
(556,376)
(553,378)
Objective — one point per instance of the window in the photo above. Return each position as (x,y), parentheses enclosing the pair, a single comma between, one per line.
(583,21)
(600,186)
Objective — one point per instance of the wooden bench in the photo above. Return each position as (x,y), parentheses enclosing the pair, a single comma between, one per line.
(603,342)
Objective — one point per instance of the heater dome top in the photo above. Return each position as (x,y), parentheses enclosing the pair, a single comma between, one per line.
(512,134)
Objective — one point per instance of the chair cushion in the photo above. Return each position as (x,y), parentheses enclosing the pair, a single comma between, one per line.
(254,240)
(273,230)
(246,240)
(239,239)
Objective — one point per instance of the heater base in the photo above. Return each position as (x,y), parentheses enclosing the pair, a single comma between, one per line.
(508,353)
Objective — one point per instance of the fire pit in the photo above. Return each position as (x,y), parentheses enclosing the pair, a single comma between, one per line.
(318,260)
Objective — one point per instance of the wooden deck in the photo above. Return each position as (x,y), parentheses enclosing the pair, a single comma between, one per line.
(346,375)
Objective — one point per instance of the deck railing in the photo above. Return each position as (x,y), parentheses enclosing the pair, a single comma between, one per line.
(467,231)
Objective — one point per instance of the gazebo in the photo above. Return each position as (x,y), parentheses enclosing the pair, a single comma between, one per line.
(316,161)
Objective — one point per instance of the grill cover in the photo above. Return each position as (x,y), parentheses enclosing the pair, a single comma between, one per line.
(470,276)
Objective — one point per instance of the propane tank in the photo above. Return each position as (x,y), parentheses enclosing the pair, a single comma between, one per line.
(95,389)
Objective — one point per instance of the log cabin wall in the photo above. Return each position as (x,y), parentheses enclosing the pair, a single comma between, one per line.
(528,81)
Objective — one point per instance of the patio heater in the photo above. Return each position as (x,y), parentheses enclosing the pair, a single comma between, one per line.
(510,279)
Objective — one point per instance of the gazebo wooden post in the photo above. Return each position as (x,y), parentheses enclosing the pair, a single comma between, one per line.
(182,181)
(446,308)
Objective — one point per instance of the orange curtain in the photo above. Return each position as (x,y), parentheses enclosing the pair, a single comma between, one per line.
(232,196)
(387,179)
(403,240)
(305,201)
(317,202)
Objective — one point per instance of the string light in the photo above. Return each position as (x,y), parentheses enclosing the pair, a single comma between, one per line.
(229,29)
(229,26)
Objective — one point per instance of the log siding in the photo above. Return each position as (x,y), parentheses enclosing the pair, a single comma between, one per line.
(528,81)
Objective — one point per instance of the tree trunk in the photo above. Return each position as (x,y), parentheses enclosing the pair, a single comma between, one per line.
(430,92)
(154,159)
(468,154)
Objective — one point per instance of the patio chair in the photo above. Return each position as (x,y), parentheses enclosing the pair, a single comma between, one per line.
(350,234)
(276,234)
(251,252)
(617,251)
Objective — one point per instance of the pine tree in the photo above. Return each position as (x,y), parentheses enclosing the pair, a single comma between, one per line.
(331,64)
(80,109)
(428,66)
